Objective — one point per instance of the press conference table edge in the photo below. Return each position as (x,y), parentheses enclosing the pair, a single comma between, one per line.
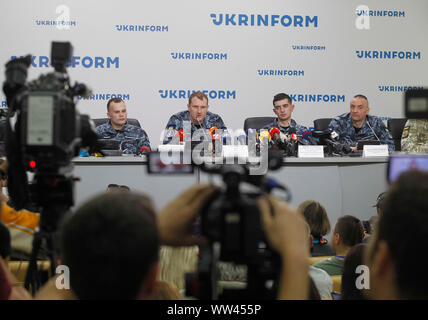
(137,160)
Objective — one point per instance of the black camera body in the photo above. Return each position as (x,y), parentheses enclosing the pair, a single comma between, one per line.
(230,220)
(49,130)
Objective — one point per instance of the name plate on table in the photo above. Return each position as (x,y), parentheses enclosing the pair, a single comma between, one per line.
(238,151)
(171,148)
(311,151)
(375,151)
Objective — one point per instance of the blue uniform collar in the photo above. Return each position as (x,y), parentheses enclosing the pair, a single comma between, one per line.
(113,129)
(276,124)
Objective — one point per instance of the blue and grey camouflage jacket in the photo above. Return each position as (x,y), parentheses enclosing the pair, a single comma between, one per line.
(175,123)
(299,129)
(343,126)
(132,137)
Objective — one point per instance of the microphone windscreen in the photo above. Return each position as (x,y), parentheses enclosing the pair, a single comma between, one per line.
(273,131)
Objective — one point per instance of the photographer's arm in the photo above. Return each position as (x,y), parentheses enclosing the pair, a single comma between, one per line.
(176,219)
(287,233)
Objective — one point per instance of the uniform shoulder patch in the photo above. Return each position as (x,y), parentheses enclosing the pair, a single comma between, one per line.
(405,132)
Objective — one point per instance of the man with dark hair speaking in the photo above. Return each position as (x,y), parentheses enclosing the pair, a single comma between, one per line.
(283,109)
(198,115)
(132,138)
(358,125)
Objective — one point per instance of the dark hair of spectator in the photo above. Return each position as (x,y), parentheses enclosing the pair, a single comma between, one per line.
(367,226)
(353,259)
(109,245)
(350,229)
(403,225)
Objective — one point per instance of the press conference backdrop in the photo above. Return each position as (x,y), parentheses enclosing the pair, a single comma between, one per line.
(153,54)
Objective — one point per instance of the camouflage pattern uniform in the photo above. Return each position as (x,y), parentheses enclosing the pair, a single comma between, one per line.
(415,136)
(299,129)
(132,137)
(347,135)
(175,123)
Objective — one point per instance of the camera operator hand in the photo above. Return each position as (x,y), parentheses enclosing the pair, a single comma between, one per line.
(176,219)
(287,233)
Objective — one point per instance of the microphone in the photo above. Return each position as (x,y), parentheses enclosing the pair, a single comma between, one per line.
(276,137)
(275,133)
(294,137)
(368,123)
(334,136)
(308,136)
(284,137)
(264,136)
(143,150)
(180,134)
(211,131)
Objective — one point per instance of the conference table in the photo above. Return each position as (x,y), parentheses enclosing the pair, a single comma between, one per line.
(344,185)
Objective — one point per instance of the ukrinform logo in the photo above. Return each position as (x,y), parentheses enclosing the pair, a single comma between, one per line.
(264,20)
(85,61)
(62,22)
(310,48)
(402,55)
(185,94)
(380,13)
(140,28)
(281,72)
(107,96)
(198,56)
(391,88)
(317,97)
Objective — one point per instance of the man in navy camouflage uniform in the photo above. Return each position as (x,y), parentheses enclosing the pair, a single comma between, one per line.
(358,125)
(197,114)
(132,138)
(283,108)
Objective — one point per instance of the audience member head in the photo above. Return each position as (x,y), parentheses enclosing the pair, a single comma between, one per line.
(316,216)
(3,173)
(111,247)
(367,227)
(396,251)
(380,201)
(348,232)
(353,259)
(5,247)
(115,187)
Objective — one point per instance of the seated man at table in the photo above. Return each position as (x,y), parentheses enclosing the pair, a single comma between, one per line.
(133,139)
(283,109)
(358,125)
(198,115)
